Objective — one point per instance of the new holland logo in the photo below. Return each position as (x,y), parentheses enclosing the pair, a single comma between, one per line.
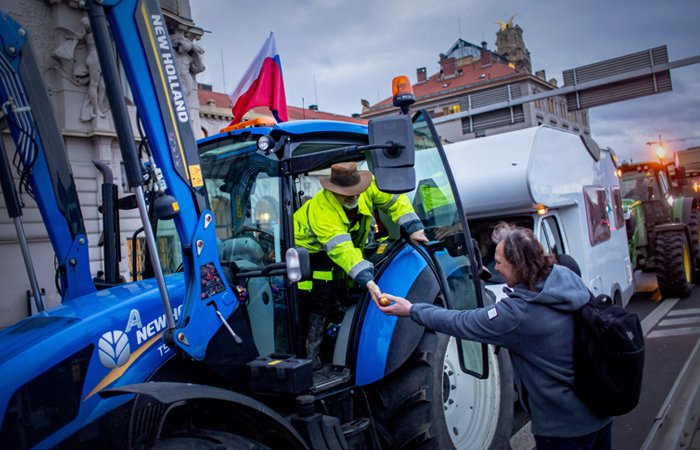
(114,349)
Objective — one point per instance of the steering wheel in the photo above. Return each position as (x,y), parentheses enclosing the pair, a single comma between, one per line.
(258,230)
(265,239)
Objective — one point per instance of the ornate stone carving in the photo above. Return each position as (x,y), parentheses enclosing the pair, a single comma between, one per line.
(76,59)
(189,61)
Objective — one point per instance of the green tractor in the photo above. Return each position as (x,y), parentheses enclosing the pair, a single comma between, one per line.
(662,226)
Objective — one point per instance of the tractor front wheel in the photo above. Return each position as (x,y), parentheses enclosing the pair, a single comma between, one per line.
(429,403)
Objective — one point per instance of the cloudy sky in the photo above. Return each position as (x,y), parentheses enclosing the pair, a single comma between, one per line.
(336,52)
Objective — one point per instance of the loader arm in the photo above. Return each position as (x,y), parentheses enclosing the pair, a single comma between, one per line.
(144,47)
(41,158)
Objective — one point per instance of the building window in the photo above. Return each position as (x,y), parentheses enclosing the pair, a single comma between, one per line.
(136,264)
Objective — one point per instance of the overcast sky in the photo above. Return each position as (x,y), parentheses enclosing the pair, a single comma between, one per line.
(336,52)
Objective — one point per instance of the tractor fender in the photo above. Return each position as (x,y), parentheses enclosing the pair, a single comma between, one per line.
(676,226)
(682,208)
(385,342)
(248,417)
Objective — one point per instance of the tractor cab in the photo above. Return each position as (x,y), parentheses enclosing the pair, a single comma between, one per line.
(257,177)
(647,186)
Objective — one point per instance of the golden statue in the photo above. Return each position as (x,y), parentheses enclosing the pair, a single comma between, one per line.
(505,25)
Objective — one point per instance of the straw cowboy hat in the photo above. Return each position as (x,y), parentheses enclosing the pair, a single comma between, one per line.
(345,179)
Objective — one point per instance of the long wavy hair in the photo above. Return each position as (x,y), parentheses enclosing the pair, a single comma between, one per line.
(524,252)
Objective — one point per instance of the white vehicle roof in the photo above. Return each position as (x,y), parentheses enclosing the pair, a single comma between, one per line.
(512,172)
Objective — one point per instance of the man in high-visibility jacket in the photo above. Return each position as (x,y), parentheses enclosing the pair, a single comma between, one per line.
(334,226)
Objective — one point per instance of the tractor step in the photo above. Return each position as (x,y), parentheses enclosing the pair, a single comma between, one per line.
(329,376)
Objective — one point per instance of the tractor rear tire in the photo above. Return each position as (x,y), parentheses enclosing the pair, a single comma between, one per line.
(208,440)
(694,229)
(429,403)
(674,264)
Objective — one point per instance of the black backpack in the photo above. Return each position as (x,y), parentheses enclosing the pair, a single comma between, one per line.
(608,357)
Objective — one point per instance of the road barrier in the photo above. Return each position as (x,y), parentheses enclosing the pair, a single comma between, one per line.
(677,421)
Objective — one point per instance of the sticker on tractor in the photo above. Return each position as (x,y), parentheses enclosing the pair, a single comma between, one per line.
(114,349)
(210,280)
(149,329)
(196,175)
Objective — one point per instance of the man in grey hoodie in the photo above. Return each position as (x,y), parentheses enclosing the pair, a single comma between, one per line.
(536,325)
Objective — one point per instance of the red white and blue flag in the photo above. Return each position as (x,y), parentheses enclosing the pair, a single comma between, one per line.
(261,85)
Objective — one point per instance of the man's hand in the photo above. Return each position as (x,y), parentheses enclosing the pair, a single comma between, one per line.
(419,237)
(374,291)
(399,306)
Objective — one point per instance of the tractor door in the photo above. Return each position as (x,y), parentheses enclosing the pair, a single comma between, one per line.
(243,184)
(437,203)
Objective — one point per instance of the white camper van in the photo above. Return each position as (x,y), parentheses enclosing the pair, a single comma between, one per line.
(560,185)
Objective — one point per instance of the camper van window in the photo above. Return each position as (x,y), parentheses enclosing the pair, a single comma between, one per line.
(596,210)
(550,236)
(618,212)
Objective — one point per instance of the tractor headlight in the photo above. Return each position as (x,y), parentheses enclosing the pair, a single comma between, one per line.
(265,143)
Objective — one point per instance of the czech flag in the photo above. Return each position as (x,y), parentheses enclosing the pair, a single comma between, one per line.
(261,85)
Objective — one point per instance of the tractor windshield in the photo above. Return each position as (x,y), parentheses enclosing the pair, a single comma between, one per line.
(638,185)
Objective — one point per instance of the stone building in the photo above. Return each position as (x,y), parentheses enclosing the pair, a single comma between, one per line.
(472,76)
(62,41)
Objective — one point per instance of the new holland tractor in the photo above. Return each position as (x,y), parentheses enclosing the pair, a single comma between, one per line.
(209,351)
(662,226)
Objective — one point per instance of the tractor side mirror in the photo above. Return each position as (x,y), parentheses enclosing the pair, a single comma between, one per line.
(392,153)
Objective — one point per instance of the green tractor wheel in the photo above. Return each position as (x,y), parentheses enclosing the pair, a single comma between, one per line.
(694,228)
(674,264)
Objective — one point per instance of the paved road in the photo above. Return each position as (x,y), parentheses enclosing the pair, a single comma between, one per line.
(672,329)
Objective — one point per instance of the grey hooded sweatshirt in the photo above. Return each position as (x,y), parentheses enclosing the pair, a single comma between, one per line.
(537,328)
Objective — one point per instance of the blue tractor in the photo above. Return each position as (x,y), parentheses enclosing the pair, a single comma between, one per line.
(209,351)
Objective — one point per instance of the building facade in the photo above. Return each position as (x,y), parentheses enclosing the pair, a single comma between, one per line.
(61,38)
(472,76)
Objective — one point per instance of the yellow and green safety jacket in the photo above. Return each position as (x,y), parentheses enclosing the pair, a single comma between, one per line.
(321,224)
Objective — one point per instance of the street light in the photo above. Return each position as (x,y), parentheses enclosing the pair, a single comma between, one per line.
(660,152)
